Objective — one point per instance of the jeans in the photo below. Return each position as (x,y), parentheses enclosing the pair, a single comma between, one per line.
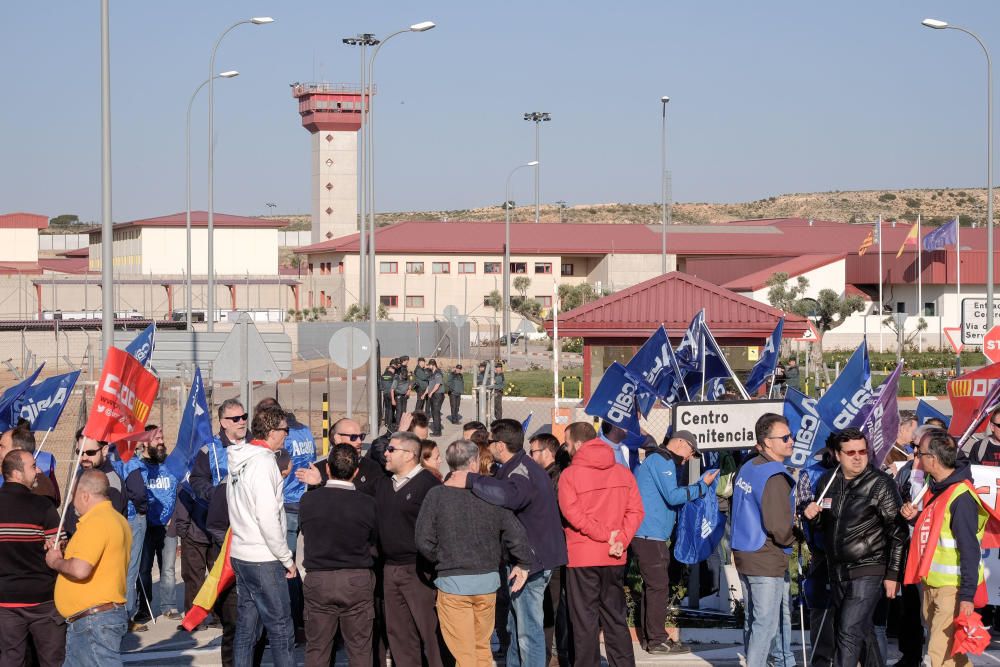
(168,579)
(95,640)
(854,602)
(263,604)
(294,585)
(526,620)
(154,548)
(138,526)
(768,621)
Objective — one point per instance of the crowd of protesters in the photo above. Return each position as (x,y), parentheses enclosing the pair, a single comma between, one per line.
(518,554)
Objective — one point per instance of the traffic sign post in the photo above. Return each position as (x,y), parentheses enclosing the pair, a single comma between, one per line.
(723,424)
(974,320)
(991,344)
(350,348)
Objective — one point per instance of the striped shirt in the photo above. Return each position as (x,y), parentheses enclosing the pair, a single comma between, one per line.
(26,521)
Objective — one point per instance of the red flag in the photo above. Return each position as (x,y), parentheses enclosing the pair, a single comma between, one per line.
(219,578)
(122,400)
(972,394)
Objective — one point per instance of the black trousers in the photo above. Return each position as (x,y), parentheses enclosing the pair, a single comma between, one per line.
(344,600)
(910,631)
(498,404)
(194,567)
(45,628)
(152,548)
(597,604)
(410,617)
(401,401)
(422,405)
(854,602)
(653,557)
(388,410)
(436,400)
(556,619)
(455,400)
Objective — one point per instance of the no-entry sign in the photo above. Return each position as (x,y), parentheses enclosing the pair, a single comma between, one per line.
(723,424)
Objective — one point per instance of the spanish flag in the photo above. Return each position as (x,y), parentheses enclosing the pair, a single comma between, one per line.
(911,239)
(218,580)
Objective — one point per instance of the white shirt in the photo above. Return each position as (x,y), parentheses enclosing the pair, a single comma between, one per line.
(399,482)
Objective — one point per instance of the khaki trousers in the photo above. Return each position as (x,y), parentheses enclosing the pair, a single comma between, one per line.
(466,623)
(940,607)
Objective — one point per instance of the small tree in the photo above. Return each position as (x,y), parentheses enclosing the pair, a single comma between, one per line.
(574,296)
(529,309)
(521,284)
(356,313)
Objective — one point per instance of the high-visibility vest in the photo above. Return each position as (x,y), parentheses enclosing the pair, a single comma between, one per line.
(945,568)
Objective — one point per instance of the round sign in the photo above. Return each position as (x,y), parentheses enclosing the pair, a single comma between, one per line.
(350,348)
(991,344)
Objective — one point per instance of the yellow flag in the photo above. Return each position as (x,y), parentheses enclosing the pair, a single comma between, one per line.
(911,238)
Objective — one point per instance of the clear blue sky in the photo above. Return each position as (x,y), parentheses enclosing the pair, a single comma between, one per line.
(766,98)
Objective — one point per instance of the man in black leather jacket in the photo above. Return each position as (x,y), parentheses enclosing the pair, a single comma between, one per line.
(865,542)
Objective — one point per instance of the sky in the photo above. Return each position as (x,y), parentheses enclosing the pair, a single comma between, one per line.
(767,98)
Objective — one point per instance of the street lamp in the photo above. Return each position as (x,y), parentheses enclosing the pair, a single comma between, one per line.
(373,304)
(187,146)
(258,20)
(364,40)
(663,178)
(537,117)
(943,25)
(506,254)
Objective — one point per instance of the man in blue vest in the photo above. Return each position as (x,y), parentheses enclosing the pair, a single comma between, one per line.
(762,541)
(301,448)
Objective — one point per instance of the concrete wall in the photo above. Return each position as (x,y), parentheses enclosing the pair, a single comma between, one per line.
(237,251)
(334,184)
(829,276)
(18,245)
(416,339)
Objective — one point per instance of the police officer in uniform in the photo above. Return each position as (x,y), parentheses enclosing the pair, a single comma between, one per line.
(386,385)
(435,396)
(402,390)
(499,382)
(456,387)
(480,379)
(421,374)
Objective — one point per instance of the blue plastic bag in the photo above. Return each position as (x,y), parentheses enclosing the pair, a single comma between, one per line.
(700,528)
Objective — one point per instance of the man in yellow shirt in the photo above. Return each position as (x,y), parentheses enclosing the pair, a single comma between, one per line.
(90,587)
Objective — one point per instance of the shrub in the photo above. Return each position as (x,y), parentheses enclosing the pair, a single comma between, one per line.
(888,196)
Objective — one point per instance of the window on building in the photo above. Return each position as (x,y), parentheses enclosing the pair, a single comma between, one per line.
(441,267)
(389,300)
(567,269)
(492,267)
(310,268)
(414,267)
(388,267)
(518,267)
(900,306)
(543,267)
(930,309)
(340,266)
(546,300)
(466,267)
(414,302)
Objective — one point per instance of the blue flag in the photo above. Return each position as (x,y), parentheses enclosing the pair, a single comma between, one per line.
(926,411)
(764,368)
(195,430)
(141,346)
(713,372)
(9,399)
(945,235)
(614,400)
(526,423)
(688,359)
(654,363)
(43,404)
(805,423)
(842,403)
(880,419)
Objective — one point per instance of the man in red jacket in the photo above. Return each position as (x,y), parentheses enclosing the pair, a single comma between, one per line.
(602,507)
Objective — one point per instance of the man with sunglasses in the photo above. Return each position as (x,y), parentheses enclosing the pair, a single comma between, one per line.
(95,457)
(762,541)
(984,450)
(865,542)
(345,432)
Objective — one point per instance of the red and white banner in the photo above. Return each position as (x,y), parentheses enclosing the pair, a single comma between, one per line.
(122,400)
(967,393)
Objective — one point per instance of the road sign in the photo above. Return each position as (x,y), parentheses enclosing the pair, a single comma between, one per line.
(244,358)
(810,335)
(954,335)
(723,424)
(974,320)
(350,348)
(991,344)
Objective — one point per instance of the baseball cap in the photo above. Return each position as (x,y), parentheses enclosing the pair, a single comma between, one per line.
(689,438)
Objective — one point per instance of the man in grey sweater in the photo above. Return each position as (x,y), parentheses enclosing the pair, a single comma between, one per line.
(466,538)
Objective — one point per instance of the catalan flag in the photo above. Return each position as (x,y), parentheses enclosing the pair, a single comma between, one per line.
(867,243)
(911,239)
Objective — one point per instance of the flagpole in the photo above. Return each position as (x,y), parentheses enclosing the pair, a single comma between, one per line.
(920,288)
(44,438)
(725,362)
(881,308)
(703,366)
(958,255)
(72,480)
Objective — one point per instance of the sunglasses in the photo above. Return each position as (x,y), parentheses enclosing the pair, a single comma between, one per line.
(997,424)
(238,418)
(353,437)
(535,451)
(390,449)
(283,428)
(88,452)
(788,437)
(855,453)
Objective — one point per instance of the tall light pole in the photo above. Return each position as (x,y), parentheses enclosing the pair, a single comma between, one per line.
(665,194)
(364,40)
(506,254)
(257,20)
(943,25)
(373,303)
(107,226)
(187,163)
(537,117)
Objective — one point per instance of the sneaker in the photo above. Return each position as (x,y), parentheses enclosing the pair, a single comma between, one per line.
(173,615)
(677,647)
(135,626)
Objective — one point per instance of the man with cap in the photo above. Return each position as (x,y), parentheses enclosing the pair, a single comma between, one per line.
(386,387)
(499,382)
(662,497)
(401,390)
(421,375)
(456,387)
(435,396)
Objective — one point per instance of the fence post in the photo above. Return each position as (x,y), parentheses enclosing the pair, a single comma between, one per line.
(326,422)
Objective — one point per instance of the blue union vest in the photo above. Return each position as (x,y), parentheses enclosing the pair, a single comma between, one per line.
(748,491)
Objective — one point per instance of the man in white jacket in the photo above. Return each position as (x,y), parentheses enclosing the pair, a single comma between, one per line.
(259,549)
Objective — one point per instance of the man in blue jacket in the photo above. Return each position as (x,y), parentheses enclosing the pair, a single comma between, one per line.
(616,438)
(523,486)
(663,494)
(301,448)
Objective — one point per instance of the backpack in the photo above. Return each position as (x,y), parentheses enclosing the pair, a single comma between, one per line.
(700,528)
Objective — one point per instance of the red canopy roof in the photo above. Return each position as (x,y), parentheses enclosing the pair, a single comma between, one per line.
(672,300)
